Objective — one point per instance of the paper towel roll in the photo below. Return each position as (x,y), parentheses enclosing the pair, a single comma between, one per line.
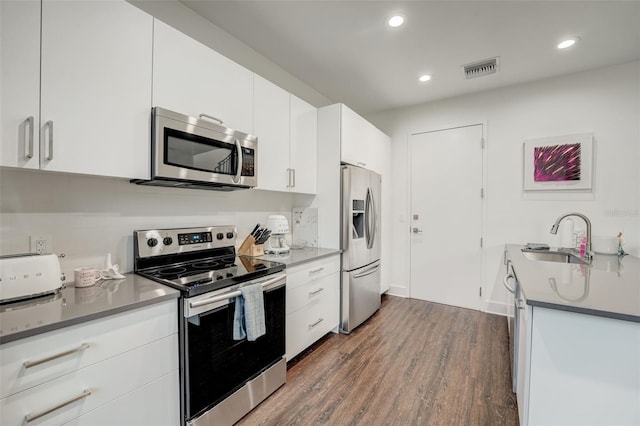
(566,234)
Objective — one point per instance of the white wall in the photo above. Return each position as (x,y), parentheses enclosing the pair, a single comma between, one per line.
(88,216)
(604,102)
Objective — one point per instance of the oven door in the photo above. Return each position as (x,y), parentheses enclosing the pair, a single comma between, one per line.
(189,149)
(214,365)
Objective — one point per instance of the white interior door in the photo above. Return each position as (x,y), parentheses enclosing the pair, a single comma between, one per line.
(446,216)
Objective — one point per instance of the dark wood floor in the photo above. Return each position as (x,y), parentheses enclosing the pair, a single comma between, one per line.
(412,363)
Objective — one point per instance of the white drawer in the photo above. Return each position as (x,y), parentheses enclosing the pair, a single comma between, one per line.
(155,404)
(310,293)
(302,274)
(305,326)
(105,381)
(105,338)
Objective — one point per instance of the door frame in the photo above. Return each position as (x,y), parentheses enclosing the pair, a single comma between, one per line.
(483,204)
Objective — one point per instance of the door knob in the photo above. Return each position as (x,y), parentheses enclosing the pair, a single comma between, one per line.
(417,231)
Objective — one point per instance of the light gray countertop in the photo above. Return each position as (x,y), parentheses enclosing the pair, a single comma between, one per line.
(608,287)
(73,306)
(295,257)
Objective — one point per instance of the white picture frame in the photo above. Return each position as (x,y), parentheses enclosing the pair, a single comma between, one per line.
(558,163)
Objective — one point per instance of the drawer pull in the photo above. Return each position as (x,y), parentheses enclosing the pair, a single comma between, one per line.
(31,417)
(313,293)
(29,364)
(315,323)
(315,271)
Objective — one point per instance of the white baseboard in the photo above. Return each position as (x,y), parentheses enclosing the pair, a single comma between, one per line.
(398,291)
(497,308)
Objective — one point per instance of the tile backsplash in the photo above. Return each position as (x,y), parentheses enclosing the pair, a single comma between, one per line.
(88,216)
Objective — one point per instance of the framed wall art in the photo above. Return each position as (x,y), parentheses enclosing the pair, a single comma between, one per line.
(558,163)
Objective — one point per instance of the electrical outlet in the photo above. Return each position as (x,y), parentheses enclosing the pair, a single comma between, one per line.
(40,244)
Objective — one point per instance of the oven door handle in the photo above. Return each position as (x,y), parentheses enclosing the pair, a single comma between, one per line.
(266,285)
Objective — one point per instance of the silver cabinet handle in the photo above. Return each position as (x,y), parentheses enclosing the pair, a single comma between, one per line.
(291,180)
(367,272)
(236,179)
(315,271)
(315,323)
(31,417)
(29,364)
(211,117)
(49,125)
(28,140)
(505,282)
(313,293)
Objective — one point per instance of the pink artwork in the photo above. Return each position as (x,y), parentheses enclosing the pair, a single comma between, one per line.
(557,163)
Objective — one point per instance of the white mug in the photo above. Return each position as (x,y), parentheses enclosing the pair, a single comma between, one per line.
(86,276)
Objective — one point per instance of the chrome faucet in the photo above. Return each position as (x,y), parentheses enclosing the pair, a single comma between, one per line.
(554,229)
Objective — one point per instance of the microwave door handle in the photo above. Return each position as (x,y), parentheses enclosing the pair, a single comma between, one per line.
(236,178)
(211,117)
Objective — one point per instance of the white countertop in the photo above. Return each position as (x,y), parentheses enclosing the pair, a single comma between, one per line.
(609,286)
(295,257)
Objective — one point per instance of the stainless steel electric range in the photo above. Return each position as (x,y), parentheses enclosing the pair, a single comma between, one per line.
(221,379)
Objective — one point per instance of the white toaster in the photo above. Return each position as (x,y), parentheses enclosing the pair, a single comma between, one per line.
(28,275)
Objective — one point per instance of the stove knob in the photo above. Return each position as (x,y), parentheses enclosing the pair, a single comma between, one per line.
(229,235)
(167,241)
(220,235)
(219,277)
(152,242)
(229,275)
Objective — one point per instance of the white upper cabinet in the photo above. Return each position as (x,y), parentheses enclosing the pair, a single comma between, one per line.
(95,88)
(19,83)
(271,126)
(286,128)
(303,157)
(362,144)
(192,79)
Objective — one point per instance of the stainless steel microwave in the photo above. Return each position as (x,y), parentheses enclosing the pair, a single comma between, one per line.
(197,153)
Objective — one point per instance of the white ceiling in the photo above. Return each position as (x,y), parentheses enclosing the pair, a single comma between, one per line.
(344,50)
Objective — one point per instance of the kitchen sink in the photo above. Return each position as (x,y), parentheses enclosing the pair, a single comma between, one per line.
(553,256)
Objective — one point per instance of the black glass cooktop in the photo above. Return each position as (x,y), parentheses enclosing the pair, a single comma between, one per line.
(199,276)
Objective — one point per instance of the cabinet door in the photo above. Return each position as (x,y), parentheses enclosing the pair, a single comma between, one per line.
(354,131)
(271,126)
(303,156)
(523,357)
(192,79)
(19,83)
(155,404)
(96,88)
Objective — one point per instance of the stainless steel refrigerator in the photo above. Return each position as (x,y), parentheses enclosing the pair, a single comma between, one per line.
(360,241)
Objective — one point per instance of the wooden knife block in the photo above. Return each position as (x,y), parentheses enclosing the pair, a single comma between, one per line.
(250,248)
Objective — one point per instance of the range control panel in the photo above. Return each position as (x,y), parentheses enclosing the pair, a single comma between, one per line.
(157,242)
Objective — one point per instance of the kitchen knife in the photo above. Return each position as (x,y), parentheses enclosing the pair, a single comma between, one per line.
(264,237)
(254,230)
(259,233)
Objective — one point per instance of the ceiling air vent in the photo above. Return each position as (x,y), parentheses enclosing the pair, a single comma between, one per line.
(478,69)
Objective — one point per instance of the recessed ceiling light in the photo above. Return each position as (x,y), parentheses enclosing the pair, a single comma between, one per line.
(425,77)
(568,43)
(395,21)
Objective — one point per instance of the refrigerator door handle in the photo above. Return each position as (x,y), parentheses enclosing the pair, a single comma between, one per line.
(367,272)
(374,222)
(370,220)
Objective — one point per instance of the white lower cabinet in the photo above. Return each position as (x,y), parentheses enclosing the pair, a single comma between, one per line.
(62,375)
(313,302)
(125,411)
(575,368)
